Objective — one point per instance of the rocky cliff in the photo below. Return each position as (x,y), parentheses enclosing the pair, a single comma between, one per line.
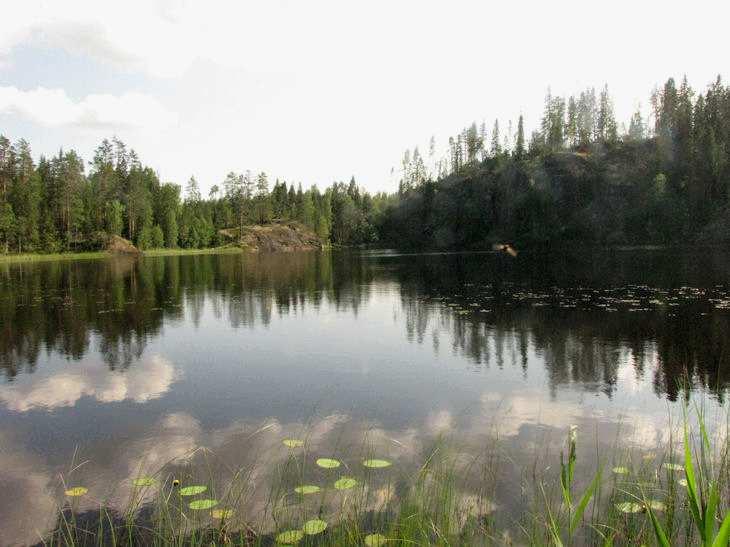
(275,237)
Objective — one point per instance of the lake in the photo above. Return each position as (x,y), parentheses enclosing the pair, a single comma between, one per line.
(193,366)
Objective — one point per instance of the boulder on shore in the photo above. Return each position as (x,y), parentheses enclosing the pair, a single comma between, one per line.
(276,237)
(119,245)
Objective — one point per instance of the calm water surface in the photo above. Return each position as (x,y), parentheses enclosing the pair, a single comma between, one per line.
(128,367)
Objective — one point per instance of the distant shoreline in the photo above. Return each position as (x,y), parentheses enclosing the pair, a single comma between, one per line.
(96,255)
(229,249)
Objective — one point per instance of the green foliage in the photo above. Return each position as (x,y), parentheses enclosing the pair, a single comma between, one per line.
(144,239)
(442,503)
(114,216)
(7,225)
(578,181)
(574,512)
(158,237)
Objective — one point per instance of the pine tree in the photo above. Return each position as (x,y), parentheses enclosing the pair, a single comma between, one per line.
(496,148)
(115,217)
(69,177)
(144,240)
(636,126)
(432,156)
(483,141)
(158,238)
(606,129)
(472,143)
(586,117)
(7,167)
(7,226)
(25,197)
(571,124)
(263,203)
(519,151)
(418,171)
(192,191)
(554,124)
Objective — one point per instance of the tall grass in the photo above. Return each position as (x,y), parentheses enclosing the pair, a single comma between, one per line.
(40,257)
(671,497)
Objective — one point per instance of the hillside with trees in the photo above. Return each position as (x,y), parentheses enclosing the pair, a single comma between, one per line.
(581,177)
(578,179)
(58,205)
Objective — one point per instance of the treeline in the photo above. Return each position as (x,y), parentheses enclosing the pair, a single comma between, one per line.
(56,206)
(581,177)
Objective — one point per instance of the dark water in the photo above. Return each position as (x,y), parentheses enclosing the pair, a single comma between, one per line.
(128,366)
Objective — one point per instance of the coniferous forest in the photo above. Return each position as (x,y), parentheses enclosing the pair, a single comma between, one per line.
(581,177)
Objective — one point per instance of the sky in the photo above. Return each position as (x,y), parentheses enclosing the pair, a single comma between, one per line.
(318,91)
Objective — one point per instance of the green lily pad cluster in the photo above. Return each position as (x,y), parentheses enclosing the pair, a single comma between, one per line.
(199,504)
(630,507)
(310,528)
(636,507)
(673,466)
(293,443)
(306,489)
(344,482)
(192,490)
(202,504)
(221,514)
(376,463)
(375,540)
(142,482)
(328,463)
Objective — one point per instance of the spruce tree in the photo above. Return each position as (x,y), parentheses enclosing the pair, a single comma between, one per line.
(496,148)
(519,151)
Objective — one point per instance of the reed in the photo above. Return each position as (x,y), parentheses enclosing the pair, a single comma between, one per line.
(631,498)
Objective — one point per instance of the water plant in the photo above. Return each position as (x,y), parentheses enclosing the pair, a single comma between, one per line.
(703,493)
(445,501)
(574,512)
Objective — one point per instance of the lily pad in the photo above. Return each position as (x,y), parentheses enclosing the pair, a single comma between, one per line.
(307,489)
(620,470)
(629,507)
(312,527)
(375,540)
(293,443)
(345,483)
(656,505)
(192,490)
(198,505)
(290,537)
(673,466)
(144,481)
(76,491)
(221,513)
(328,463)
(376,464)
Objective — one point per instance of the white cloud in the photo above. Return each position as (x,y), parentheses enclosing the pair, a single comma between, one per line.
(53,107)
(145,381)
(25,477)
(320,90)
